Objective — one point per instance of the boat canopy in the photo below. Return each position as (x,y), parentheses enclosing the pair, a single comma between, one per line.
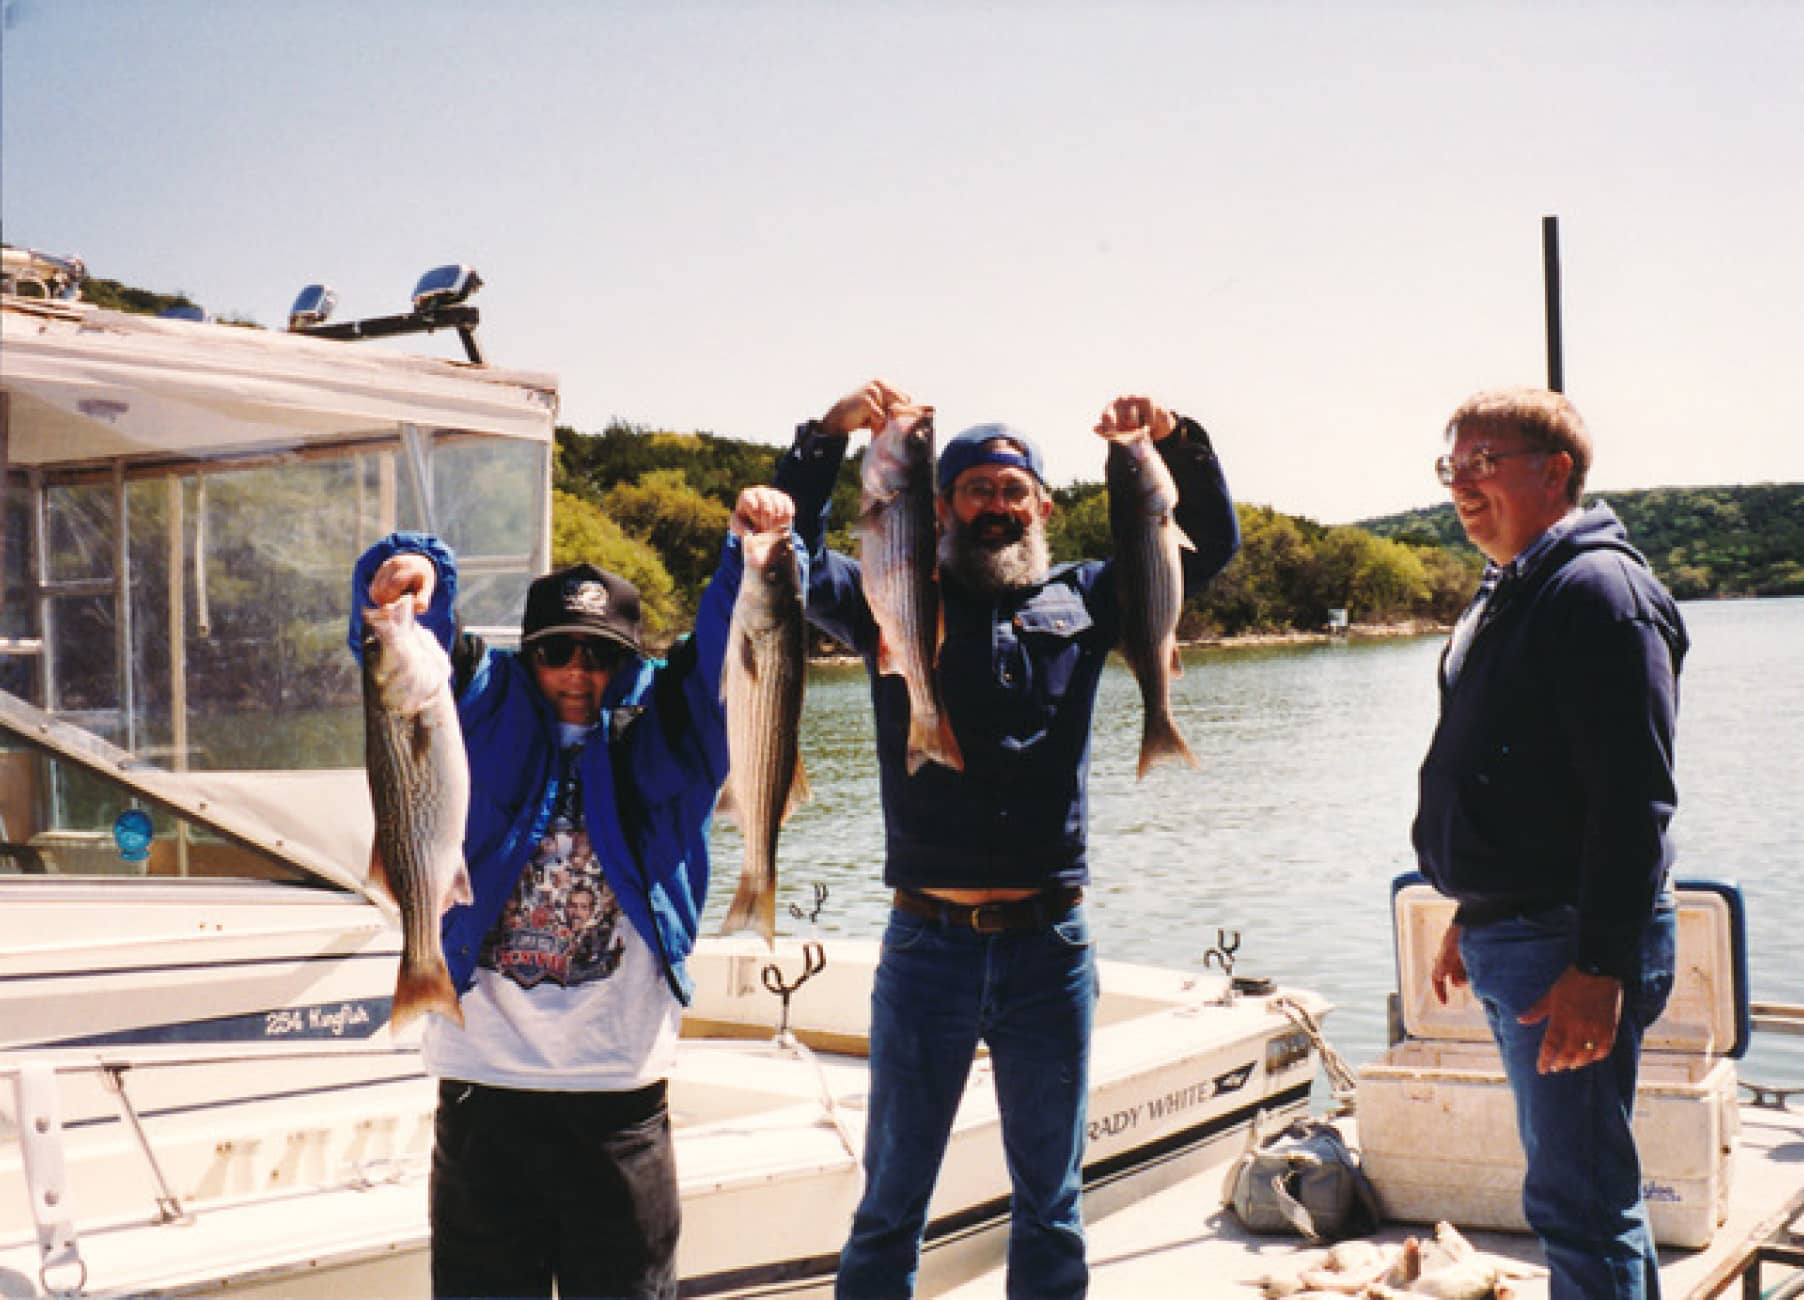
(89,385)
(181,503)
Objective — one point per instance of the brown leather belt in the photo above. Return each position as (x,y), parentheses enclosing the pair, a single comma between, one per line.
(1033,913)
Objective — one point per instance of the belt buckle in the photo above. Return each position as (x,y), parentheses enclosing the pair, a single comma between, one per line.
(996,910)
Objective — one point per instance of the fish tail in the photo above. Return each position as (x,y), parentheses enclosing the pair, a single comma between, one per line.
(421,988)
(754,907)
(1161,740)
(930,738)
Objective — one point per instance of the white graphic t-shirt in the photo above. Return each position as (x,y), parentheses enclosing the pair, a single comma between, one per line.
(568,996)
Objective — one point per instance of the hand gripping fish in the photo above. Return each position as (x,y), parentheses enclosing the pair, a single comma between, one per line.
(1150,584)
(420,788)
(762,683)
(898,552)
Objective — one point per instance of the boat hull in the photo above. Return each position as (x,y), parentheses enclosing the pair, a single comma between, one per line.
(286,1138)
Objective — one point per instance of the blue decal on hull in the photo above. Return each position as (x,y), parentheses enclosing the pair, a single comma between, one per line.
(327,1021)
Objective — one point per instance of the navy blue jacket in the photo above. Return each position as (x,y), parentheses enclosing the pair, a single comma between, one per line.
(1549,780)
(1018,676)
(648,791)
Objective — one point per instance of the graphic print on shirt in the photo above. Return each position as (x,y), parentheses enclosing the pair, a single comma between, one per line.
(562,922)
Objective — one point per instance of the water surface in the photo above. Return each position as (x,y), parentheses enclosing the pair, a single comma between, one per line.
(1298,820)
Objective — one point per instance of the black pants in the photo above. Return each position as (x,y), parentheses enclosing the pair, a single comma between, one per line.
(528,1187)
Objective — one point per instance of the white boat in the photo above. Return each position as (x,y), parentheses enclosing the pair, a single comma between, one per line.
(198,1091)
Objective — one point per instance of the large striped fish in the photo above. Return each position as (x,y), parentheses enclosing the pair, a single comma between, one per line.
(898,552)
(1150,585)
(762,682)
(420,787)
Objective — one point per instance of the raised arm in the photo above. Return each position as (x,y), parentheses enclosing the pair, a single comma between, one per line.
(807,472)
(1205,511)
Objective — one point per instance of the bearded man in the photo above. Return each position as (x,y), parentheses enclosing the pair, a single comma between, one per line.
(987,939)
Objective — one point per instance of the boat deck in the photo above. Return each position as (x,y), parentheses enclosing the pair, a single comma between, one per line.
(1181,1242)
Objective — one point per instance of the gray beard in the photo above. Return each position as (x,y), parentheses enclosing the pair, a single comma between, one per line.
(992,571)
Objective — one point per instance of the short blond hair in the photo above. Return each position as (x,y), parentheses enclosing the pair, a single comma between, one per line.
(1547,421)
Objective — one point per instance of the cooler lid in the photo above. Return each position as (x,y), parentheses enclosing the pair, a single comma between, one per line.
(1706,1014)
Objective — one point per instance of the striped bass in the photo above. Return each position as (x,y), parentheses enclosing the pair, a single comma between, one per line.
(898,547)
(420,788)
(762,683)
(1149,584)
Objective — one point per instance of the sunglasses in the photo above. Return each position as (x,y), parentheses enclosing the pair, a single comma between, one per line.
(558,651)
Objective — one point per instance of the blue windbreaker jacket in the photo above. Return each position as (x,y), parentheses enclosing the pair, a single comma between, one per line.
(648,790)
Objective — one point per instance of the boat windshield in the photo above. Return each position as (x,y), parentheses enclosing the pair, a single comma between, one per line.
(177,531)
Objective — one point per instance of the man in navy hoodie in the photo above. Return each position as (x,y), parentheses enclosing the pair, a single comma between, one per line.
(1545,801)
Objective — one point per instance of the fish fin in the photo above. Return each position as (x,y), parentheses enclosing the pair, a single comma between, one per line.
(422,988)
(1184,542)
(886,662)
(754,907)
(930,738)
(419,738)
(799,792)
(727,806)
(378,872)
(461,891)
(1161,740)
(1177,659)
(748,659)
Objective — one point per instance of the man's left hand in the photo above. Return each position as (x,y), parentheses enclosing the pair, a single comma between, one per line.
(762,510)
(1132,414)
(1581,1012)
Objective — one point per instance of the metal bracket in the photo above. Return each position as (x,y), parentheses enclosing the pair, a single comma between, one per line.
(41,1141)
(814,961)
(169,1207)
(1227,943)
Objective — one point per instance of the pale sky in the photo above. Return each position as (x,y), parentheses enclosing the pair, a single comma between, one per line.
(1315,227)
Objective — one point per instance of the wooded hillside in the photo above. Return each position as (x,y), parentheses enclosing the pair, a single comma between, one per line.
(653,505)
(1702,541)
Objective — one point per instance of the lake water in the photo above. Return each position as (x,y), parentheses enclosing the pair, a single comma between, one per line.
(1299,819)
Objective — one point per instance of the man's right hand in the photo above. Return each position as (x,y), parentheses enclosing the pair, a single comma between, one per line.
(868,408)
(407,573)
(1449,967)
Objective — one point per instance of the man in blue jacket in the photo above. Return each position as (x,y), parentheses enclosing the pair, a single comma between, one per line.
(593,776)
(987,938)
(1545,801)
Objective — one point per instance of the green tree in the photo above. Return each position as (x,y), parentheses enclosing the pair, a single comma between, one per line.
(1374,579)
(683,526)
(1079,527)
(580,532)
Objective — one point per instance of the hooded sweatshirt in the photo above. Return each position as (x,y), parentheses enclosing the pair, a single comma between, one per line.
(1549,780)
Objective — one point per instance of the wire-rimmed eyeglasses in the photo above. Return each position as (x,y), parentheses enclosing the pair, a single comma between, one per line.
(982,491)
(1477,467)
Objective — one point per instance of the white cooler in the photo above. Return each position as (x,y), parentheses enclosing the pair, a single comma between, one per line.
(1437,1128)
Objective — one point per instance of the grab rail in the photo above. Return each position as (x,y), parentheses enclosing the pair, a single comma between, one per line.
(1778,1017)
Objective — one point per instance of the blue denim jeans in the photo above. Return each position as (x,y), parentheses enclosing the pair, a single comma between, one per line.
(1582,1195)
(1030,995)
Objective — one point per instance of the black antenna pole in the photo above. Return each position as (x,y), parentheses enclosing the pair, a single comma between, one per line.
(1550,274)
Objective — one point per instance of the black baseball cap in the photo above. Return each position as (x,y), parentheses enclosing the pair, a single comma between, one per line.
(583,600)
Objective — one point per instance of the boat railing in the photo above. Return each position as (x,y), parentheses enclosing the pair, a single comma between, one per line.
(1774,1018)
(37,1091)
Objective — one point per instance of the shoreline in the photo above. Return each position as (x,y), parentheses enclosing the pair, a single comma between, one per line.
(1354,632)
(1253,640)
